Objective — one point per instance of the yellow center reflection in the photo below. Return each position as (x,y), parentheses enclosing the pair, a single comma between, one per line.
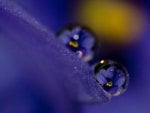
(109,84)
(74,44)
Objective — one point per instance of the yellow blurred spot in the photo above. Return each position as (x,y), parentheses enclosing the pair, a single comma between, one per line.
(74,44)
(109,84)
(116,21)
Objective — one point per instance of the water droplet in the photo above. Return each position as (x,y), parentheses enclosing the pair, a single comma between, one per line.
(79,40)
(112,77)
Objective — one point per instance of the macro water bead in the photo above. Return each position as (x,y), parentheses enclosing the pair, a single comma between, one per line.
(111,76)
(78,40)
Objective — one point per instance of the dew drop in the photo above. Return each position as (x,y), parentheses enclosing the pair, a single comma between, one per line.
(112,77)
(79,40)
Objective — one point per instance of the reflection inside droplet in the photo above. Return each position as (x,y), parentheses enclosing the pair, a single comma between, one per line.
(78,40)
(111,76)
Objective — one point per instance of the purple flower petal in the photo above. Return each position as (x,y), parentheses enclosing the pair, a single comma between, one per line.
(39,66)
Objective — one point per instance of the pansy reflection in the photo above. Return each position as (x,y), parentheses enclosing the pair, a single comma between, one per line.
(78,40)
(112,77)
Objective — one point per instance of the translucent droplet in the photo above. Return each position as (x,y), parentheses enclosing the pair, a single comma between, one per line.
(112,77)
(78,40)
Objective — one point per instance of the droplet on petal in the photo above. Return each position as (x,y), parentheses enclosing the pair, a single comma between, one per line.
(112,77)
(79,40)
